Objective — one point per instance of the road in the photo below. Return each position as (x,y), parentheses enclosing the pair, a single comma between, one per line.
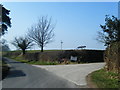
(75,73)
(27,76)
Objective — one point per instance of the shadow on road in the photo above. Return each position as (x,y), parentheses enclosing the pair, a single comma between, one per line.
(16,73)
(15,62)
(13,72)
(7,61)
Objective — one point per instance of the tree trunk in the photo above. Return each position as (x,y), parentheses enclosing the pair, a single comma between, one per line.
(41,48)
(23,50)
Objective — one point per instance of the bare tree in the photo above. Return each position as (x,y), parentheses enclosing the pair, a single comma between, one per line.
(42,32)
(4,45)
(22,43)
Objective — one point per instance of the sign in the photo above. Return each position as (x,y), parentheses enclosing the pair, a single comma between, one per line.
(73,58)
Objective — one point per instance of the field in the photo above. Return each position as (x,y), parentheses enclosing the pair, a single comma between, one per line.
(34,51)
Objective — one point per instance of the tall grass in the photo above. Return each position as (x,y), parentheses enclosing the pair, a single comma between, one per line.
(105,79)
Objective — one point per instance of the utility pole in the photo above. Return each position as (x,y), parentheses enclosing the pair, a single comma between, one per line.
(61,44)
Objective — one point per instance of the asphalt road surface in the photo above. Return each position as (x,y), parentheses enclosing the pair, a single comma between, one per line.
(26,76)
(75,73)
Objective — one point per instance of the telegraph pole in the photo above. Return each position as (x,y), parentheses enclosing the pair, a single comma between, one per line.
(61,44)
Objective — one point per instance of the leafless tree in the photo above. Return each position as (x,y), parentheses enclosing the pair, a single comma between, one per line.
(22,43)
(42,32)
(4,45)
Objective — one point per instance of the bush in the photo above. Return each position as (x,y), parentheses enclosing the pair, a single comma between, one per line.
(112,57)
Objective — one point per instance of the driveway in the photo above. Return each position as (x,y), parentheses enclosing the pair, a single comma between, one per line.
(26,76)
(74,73)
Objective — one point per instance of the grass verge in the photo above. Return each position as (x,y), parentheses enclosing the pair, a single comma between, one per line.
(105,79)
(21,59)
(43,63)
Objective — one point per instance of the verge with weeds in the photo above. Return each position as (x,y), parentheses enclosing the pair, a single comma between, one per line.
(105,79)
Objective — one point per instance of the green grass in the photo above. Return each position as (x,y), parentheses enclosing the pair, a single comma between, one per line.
(105,79)
(33,51)
(21,59)
(42,63)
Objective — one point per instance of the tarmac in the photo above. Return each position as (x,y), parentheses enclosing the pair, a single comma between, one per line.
(75,73)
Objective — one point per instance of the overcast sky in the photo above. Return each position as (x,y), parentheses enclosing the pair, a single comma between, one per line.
(77,22)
